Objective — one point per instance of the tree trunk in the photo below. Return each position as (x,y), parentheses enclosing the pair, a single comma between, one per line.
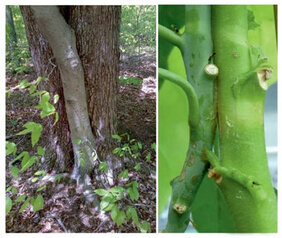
(12,29)
(59,154)
(98,51)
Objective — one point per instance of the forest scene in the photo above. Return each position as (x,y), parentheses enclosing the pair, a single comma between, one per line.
(80,119)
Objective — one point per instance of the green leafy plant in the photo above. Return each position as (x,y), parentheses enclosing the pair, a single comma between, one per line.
(110,203)
(130,80)
(27,160)
(216,78)
(112,200)
(128,148)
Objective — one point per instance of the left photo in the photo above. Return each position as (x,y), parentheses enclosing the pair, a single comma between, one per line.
(80,119)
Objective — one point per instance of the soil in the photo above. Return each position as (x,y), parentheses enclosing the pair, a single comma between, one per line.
(65,208)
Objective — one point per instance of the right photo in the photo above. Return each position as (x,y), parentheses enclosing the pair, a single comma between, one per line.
(217,118)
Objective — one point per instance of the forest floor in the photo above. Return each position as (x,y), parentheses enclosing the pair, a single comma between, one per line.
(65,209)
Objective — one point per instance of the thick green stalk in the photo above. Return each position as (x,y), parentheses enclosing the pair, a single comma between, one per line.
(241,95)
(196,52)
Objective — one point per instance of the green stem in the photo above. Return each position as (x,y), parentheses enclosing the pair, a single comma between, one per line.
(189,91)
(249,182)
(171,36)
(241,119)
(196,52)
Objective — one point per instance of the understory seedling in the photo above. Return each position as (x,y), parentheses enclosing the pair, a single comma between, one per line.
(113,200)
(25,160)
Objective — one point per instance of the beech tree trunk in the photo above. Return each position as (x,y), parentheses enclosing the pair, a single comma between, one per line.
(96,29)
(59,156)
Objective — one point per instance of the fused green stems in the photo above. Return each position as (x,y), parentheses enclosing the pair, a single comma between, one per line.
(189,91)
(242,78)
(218,172)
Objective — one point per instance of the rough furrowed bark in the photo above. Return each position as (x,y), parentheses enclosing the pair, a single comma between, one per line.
(62,41)
(246,182)
(196,47)
(99,52)
(58,154)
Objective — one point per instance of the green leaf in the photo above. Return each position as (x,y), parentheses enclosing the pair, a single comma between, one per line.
(77,141)
(117,192)
(116,150)
(15,172)
(14,190)
(56,98)
(24,154)
(9,188)
(58,178)
(139,145)
(101,192)
(103,166)
(120,219)
(9,204)
(114,213)
(56,118)
(94,156)
(148,157)
(133,194)
(117,137)
(209,209)
(40,150)
(109,207)
(38,203)
(11,148)
(106,201)
(131,213)
(41,187)
(20,198)
(26,163)
(39,79)
(153,146)
(123,174)
(23,84)
(137,167)
(132,184)
(8,93)
(34,179)
(46,107)
(40,173)
(32,88)
(24,206)
(145,227)
(82,161)
(35,129)
(40,92)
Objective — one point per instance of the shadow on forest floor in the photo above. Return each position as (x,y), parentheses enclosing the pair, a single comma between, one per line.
(65,208)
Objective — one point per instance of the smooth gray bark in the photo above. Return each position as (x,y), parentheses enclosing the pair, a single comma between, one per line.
(62,41)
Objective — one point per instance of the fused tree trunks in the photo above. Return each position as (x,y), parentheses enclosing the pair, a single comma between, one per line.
(59,149)
(62,41)
(92,34)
